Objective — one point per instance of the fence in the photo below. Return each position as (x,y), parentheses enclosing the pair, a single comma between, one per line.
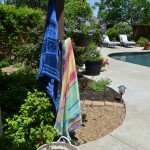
(141,31)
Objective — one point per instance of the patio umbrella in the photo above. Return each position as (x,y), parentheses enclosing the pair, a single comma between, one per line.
(48,72)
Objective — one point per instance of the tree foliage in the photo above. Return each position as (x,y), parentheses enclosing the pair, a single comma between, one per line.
(30,3)
(131,11)
(77,8)
(73,9)
(120,28)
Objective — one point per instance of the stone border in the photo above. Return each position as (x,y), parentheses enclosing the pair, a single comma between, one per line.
(102,103)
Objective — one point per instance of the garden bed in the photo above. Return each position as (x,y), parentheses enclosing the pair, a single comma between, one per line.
(99,120)
(101,114)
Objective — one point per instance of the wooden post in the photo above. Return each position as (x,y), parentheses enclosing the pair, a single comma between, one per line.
(60,18)
(1,128)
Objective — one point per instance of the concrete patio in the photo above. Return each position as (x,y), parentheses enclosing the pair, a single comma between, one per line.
(134,133)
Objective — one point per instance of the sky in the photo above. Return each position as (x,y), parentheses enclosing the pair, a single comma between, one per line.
(1,1)
(91,2)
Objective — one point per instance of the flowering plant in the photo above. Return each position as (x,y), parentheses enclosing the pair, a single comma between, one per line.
(92,54)
(81,27)
(105,62)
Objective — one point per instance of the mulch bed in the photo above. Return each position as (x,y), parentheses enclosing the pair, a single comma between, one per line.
(98,121)
(86,93)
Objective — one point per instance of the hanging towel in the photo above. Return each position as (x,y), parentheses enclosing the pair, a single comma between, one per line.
(48,73)
(69,113)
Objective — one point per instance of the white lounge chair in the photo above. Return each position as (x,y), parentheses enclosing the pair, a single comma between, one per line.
(124,41)
(107,42)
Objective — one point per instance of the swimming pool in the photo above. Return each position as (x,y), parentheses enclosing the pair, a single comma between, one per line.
(140,58)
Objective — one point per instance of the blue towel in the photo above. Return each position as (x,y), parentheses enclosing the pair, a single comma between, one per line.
(48,72)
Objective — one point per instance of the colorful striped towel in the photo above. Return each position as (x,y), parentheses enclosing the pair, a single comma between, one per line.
(69,113)
(48,73)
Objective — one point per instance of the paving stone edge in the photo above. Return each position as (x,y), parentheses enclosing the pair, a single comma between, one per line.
(102,103)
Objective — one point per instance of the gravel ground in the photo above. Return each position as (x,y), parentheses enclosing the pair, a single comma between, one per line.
(99,121)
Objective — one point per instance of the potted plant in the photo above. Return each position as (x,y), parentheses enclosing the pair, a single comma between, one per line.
(93,60)
(82,31)
(147,46)
(144,42)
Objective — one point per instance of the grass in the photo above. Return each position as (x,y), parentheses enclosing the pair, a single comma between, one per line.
(100,85)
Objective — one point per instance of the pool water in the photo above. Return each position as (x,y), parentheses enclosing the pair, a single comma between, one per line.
(140,58)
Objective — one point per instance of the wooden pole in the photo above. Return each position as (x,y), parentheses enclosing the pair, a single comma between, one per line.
(60,18)
(1,127)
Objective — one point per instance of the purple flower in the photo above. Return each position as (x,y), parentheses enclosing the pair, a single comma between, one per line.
(90,34)
(80,20)
(77,31)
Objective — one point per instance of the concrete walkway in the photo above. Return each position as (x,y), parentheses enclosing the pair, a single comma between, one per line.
(134,133)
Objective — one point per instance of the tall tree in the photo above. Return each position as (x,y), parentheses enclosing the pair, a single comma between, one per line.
(131,11)
(73,9)
(30,3)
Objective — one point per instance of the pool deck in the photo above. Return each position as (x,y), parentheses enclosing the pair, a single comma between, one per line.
(134,133)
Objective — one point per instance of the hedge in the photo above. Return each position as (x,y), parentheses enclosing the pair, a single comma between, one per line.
(18,26)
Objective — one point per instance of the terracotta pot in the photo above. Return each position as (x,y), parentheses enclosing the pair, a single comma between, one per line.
(147,46)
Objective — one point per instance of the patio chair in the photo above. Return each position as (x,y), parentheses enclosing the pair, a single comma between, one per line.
(124,41)
(107,42)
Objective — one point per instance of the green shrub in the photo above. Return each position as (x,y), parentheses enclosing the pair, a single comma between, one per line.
(34,125)
(13,90)
(91,53)
(142,41)
(124,28)
(112,33)
(99,86)
(4,63)
(28,54)
(97,35)
(6,143)
(79,55)
(91,47)
(86,53)
(120,28)
(18,26)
